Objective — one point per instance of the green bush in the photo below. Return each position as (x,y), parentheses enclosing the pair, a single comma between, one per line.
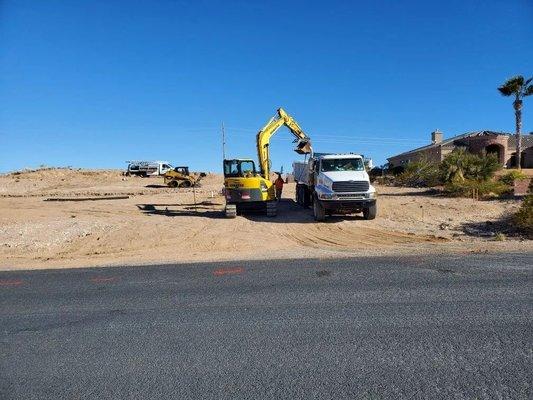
(524,217)
(468,187)
(460,165)
(422,173)
(512,176)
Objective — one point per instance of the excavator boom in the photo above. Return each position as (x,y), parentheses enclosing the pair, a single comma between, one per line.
(303,145)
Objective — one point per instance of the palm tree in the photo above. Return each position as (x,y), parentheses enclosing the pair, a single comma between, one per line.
(519,88)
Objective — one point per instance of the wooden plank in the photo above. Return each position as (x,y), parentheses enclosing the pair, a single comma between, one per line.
(86,198)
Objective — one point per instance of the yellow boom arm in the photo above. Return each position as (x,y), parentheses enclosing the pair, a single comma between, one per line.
(264,135)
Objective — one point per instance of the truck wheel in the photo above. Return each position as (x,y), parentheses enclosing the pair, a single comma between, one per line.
(173,184)
(271,209)
(231,210)
(300,199)
(318,210)
(186,184)
(307,199)
(370,212)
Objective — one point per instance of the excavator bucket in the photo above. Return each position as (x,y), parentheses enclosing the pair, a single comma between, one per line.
(303,147)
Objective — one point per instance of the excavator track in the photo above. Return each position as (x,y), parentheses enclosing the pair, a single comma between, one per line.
(231,211)
(271,209)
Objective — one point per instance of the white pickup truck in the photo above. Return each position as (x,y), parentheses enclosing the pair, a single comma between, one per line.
(335,184)
(147,168)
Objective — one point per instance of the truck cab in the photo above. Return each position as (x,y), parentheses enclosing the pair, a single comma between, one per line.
(335,184)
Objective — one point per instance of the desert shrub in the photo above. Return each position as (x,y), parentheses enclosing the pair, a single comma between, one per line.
(511,176)
(396,170)
(484,188)
(388,180)
(461,165)
(524,217)
(421,173)
(376,172)
(500,237)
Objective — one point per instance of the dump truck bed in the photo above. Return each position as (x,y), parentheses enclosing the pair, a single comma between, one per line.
(301,172)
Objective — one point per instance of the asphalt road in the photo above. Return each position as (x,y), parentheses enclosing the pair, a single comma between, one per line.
(418,327)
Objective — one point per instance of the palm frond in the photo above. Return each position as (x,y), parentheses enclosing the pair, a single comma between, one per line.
(512,86)
(505,91)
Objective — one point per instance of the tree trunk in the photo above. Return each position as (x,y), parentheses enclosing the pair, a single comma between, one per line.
(518,115)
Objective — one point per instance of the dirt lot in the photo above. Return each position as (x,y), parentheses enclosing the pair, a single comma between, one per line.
(159,224)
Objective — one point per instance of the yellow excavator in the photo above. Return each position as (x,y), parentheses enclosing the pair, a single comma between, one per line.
(247,188)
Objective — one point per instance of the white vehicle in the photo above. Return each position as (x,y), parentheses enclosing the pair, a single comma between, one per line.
(335,184)
(148,168)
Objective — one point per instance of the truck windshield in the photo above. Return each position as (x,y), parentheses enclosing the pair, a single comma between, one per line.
(342,164)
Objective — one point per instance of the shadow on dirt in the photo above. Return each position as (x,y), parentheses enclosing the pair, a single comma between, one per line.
(155,186)
(288,212)
(492,229)
(291,212)
(428,192)
(204,210)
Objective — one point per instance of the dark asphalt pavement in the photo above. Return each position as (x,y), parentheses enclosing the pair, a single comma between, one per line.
(418,327)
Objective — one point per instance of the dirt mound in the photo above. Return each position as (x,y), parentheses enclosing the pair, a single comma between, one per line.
(80,182)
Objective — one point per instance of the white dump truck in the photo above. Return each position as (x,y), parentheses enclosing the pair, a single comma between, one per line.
(335,184)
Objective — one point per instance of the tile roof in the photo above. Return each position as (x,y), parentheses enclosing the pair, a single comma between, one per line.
(527,141)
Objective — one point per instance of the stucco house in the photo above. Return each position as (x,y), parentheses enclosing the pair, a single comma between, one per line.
(502,144)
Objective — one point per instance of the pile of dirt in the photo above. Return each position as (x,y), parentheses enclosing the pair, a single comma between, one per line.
(79,182)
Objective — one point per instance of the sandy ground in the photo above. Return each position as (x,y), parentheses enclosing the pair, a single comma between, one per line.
(156,224)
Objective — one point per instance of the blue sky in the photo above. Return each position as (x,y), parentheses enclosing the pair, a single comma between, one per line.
(95,83)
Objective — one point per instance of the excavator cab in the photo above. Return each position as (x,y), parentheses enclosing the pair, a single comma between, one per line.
(239,168)
(245,189)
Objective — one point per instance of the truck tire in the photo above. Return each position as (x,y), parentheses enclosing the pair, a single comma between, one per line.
(306,197)
(318,210)
(370,212)
(173,184)
(231,210)
(271,209)
(299,195)
(186,184)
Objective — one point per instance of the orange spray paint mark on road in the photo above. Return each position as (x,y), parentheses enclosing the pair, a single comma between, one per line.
(103,280)
(228,271)
(11,282)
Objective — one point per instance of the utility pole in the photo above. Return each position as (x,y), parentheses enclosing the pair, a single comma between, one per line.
(223,142)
